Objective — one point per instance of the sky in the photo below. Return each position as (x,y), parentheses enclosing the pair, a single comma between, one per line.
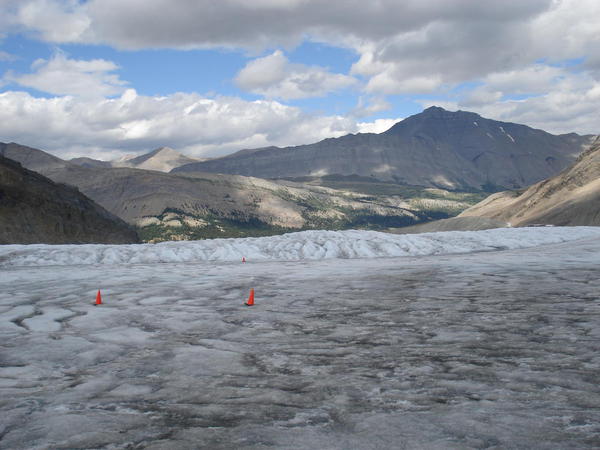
(108,78)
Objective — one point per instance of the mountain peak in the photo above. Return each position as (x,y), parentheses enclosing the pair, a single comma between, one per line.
(165,150)
(163,159)
(434,109)
(432,115)
(438,111)
(435,148)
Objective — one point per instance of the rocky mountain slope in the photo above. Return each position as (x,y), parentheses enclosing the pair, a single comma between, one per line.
(452,224)
(31,158)
(34,209)
(436,148)
(163,159)
(196,205)
(570,198)
(213,205)
(90,162)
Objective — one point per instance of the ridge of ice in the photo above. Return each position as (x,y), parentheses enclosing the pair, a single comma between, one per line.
(310,245)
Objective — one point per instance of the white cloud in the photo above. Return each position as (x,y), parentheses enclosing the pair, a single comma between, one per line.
(388,82)
(569,29)
(409,46)
(378,126)
(55,21)
(63,76)
(370,105)
(275,77)
(533,79)
(508,48)
(563,110)
(106,128)
(568,101)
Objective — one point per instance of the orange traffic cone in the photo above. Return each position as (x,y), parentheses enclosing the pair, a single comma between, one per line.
(250,301)
(98,298)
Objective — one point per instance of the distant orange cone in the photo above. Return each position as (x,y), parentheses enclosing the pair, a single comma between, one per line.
(243,259)
(250,301)
(98,298)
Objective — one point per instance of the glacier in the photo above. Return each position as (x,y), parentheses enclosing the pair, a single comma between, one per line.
(357,340)
(305,245)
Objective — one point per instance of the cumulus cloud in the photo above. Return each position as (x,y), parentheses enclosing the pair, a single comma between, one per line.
(55,21)
(78,126)
(533,79)
(406,46)
(564,101)
(390,82)
(510,49)
(413,45)
(378,126)
(63,76)
(275,77)
(563,110)
(369,105)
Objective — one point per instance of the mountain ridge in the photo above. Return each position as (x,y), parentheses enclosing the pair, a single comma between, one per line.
(570,198)
(195,205)
(35,209)
(435,148)
(162,159)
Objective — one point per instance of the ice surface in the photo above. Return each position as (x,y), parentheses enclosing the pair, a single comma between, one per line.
(294,246)
(495,349)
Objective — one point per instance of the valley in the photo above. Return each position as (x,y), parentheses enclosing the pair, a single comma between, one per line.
(299,225)
(191,205)
(168,196)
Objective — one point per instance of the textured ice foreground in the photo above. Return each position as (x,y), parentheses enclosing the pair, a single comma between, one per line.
(295,246)
(496,349)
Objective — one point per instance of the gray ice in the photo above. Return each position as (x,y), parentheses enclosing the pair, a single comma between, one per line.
(484,350)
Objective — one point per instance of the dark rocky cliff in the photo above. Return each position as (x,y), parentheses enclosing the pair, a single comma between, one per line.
(34,209)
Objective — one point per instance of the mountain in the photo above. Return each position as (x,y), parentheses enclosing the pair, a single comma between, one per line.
(31,158)
(163,159)
(191,206)
(90,162)
(570,198)
(34,209)
(436,148)
(197,205)
(452,224)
